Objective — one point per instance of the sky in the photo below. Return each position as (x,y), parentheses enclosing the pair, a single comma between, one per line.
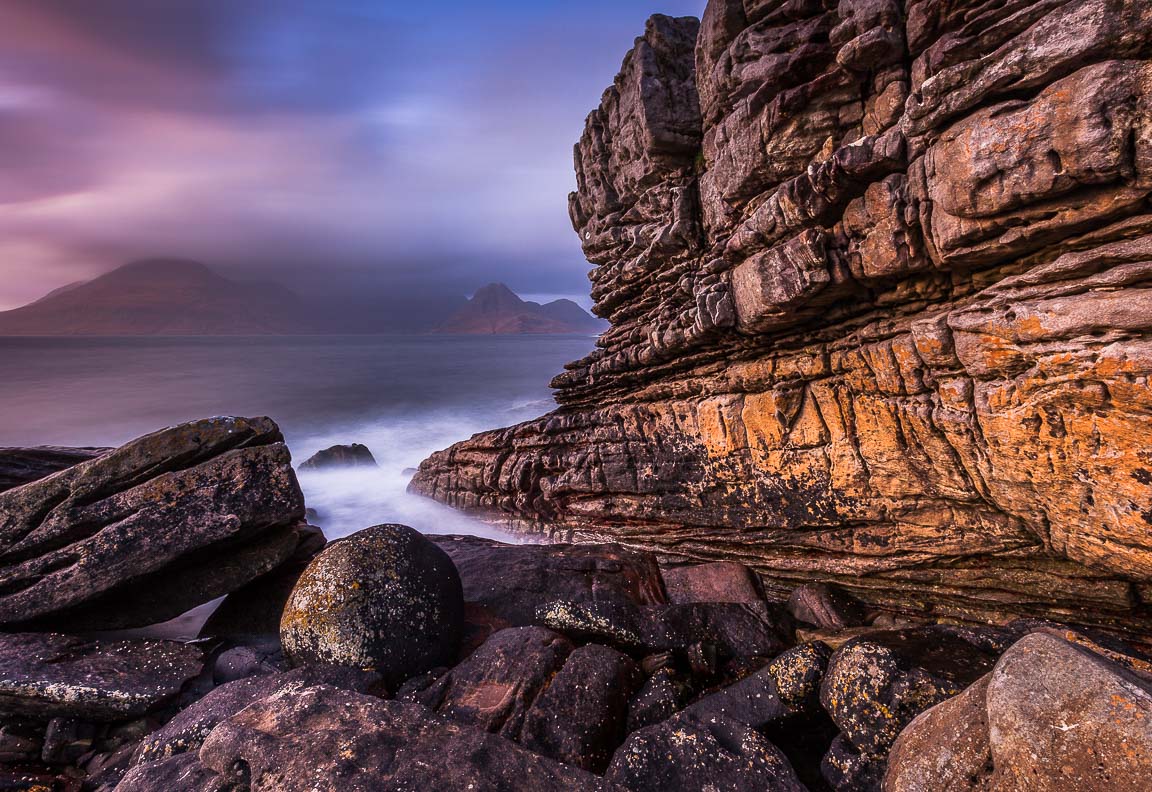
(345,148)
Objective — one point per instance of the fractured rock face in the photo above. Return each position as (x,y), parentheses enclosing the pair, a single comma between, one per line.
(878,275)
(150,530)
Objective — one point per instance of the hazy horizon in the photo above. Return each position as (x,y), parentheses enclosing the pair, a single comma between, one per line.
(347,150)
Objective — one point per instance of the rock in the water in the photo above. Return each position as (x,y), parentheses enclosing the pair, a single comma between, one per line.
(329,740)
(876,685)
(877,274)
(581,717)
(187,731)
(384,599)
(340,456)
(146,532)
(826,607)
(1051,716)
(511,582)
(20,466)
(717,754)
(47,675)
(720,581)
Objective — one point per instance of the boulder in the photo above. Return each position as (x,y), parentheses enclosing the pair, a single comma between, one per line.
(340,456)
(384,599)
(321,739)
(798,673)
(826,607)
(664,694)
(1052,715)
(721,581)
(581,717)
(876,685)
(511,582)
(146,532)
(715,754)
(47,675)
(19,466)
(187,731)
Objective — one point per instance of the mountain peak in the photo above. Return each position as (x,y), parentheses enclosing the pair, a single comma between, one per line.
(497,310)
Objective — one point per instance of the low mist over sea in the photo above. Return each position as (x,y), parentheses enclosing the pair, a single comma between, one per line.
(402,396)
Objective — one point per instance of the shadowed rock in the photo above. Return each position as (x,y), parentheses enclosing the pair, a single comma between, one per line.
(340,456)
(146,532)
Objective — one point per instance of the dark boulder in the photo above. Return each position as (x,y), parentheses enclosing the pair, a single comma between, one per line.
(148,531)
(719,581)
(384,599)
(686,753)
(664,694)
(46,675)
(826,607)
(876,685)
(798,673)
(340,456)
(187,731)
(20,466)
(510,582)
(581,717)
(329,740)
(847,769)
(498,684)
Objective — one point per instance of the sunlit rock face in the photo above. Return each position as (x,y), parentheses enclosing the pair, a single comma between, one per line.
(880,283)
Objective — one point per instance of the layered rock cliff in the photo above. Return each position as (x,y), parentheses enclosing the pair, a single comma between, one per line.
(879,275)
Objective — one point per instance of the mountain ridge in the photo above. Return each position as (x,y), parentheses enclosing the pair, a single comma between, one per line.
(497,310)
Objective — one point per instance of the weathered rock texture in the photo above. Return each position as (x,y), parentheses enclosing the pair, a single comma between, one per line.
(150,530)
(880,283)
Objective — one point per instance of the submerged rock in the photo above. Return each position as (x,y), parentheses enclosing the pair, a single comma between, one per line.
(340,456)
(47,675)
(146,532)
(384,599)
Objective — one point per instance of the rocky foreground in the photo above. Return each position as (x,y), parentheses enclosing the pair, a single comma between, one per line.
(390,660)
(878,273)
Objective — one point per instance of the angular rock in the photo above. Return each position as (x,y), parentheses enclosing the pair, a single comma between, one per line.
(722,581)
(340,456)
(1050,716)
(321,738)
(148,531)
(686,753)
(873,269)
(187,731)
(19,466)
(384,599)
(47,675)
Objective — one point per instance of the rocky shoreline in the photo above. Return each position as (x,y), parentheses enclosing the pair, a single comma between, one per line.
(390,660)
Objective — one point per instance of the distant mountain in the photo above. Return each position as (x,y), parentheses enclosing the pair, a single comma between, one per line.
(497,310)
(161,297)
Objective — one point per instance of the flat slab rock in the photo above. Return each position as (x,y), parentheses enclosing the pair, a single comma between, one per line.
(146,532)
(47,675)
(322,738)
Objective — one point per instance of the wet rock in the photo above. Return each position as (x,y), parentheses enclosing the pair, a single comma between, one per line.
(20,466)
(384,599)
(321,738)
(1052,715)
(46,675)
(730,629)
(253,611)
(340,456)
(686,753)
(148,531)
(722,581)
(826,607)
(496,687)
(510,582)
(876,685)
(581,717)
(187,731)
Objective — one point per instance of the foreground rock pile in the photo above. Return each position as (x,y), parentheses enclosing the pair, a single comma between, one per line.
(878,277)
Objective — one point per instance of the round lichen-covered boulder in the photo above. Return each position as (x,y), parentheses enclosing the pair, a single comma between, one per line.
(385,599)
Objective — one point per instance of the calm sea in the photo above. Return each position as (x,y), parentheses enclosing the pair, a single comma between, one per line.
(402,396)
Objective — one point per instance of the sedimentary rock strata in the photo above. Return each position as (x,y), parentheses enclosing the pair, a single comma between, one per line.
(145,532)
(879,278)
